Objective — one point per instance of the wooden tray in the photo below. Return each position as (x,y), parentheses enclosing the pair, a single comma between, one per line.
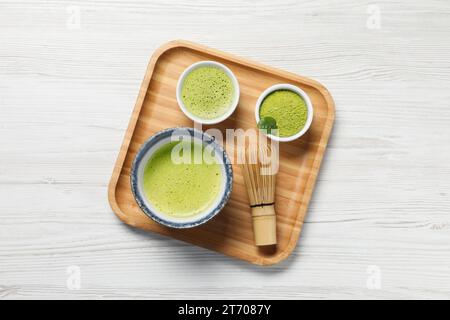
(230,232)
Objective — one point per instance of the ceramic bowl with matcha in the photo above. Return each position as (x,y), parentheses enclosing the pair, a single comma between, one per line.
(181,177)
(207,92)
(288,108)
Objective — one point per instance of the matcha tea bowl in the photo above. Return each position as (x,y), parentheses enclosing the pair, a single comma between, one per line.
(207,92)
(285,109)
(181,177)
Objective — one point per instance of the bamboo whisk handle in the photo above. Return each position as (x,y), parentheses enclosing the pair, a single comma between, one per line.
(264,225)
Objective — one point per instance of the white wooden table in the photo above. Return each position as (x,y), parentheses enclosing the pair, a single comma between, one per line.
(379,222)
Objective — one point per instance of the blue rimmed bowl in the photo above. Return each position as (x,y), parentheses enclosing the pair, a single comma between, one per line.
(145,153)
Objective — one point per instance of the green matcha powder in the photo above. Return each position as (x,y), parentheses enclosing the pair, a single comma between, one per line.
(288,109)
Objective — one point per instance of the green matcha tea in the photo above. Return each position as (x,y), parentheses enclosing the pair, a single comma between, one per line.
(184,189)
(288,109)
(207,92)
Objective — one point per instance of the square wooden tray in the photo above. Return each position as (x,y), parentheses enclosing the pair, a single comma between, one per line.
(230,232)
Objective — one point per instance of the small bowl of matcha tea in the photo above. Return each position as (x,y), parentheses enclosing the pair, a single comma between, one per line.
(285,111)
(181,177)
(207,92)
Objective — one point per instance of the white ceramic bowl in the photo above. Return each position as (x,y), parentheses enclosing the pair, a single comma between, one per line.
(233,81)
(301,93)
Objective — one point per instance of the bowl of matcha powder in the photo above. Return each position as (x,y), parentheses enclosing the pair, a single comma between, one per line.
(284,111)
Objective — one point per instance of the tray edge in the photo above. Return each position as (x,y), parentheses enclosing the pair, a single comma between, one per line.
(130,129)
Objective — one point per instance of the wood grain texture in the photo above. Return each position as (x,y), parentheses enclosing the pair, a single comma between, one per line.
(299,161)
(381,198)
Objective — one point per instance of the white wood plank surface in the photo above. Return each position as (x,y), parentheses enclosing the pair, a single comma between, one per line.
(379,221)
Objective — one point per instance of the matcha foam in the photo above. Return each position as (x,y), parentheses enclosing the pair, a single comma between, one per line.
(207,92)
(181,190)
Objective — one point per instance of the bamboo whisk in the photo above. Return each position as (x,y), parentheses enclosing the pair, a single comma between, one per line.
(260,177)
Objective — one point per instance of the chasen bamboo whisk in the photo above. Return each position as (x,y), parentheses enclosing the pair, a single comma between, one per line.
(259,172)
